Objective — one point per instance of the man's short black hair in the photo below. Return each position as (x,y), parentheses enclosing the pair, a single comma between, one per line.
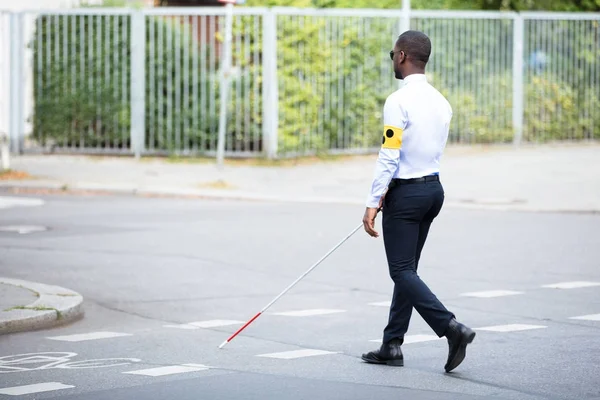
(416,45)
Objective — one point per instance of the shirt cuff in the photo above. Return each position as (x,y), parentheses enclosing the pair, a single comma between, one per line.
(373,202)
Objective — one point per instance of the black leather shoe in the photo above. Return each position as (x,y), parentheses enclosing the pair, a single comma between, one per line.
(459,336)
(389,353)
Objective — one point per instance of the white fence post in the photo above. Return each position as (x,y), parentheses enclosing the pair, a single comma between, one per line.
(225,79)
(517,111)
(17,84)
(138,82)
(270,85)
(405,19)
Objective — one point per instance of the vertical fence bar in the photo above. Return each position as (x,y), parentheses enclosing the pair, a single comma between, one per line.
(138,82)
(186,85)
(17,86)
(160,130)
(270,85)
(151,140)
(195,73)
(517,111)
(404,26)
(255,82)
(177,88)
(225,79)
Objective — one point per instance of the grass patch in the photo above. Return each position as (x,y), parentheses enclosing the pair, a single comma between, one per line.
(36,308)
(218,184)
(259,161)
(31,290)
(11,175)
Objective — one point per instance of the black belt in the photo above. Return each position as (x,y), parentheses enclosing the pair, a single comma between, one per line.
(429,178)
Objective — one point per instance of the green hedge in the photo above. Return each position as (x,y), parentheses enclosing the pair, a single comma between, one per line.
(331,88)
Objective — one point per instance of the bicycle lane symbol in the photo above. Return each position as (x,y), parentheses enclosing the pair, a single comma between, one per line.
(53,360)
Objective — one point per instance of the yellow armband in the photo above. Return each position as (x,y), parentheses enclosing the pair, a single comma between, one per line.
(392,138)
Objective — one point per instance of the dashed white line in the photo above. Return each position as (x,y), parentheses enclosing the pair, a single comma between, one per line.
(22,229)
(308,313)
(35,388)
(408,339)
(571,285)
(381,303)
(169,370)
(590,317)
(492,293)
(88,336)
(214,323)
(287,355)
(182,326)
(510,328)
(8,202)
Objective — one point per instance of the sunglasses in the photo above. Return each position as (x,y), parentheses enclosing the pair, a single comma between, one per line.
(392,52)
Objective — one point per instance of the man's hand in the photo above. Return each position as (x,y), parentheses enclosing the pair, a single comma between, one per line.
(369,221)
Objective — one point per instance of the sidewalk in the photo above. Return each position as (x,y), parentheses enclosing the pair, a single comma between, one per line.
(557,177)
(26,306)
(12,297)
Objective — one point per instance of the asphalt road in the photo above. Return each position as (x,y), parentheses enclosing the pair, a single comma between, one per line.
(161,278)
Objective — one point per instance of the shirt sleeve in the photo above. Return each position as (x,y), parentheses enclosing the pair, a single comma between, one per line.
(394,123)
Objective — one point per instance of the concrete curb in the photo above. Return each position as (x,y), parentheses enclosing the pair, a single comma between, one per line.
(507,205)
(55,306)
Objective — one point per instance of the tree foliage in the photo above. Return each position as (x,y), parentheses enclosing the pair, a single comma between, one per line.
(333,75)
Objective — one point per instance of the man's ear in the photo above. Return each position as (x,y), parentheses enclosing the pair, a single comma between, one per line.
(402,56)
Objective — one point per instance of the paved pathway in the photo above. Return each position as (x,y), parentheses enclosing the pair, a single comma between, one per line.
(534,178)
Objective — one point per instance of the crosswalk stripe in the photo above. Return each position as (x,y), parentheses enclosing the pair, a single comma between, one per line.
(381,303)
(35,388)
(182,326)
(590,317)
(88,336)
(214,323)
(408,339)
(287,355)
(169,370)
(571,285)
(307,313)
(510,328)
(491,293)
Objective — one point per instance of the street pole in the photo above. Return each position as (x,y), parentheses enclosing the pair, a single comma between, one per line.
(225,77)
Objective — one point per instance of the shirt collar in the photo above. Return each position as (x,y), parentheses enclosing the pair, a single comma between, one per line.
(415,78)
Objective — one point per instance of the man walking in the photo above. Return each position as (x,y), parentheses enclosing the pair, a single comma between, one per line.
(416,121)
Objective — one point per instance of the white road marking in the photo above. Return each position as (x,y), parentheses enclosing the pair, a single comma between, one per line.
(214,323)
(307,313)
(590,317)
(169,370)
(8,202)
(35,388)
(287,355)
(408,339)
(510,328)
(381,304)
(492,293)
(571,285)
(182,326)
(88,336)
(22,229)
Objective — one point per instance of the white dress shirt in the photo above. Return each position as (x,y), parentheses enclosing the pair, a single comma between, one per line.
(416,121)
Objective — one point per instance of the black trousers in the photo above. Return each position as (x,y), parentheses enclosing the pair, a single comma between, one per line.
(408,211)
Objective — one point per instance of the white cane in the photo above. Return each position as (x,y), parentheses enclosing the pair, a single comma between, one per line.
(292,285)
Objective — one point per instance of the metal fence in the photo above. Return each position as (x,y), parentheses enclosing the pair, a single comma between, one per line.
(302,81)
